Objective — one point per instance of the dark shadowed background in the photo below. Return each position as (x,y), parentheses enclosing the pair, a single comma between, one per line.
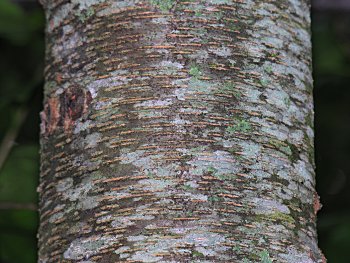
(21,83)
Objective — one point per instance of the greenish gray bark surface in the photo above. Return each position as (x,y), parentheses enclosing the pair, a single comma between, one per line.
(178,131)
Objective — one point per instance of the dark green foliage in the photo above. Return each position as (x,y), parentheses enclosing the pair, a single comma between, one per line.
(331,47)
(21,66)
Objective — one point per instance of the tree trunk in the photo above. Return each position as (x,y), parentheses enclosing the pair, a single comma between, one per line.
(178,131)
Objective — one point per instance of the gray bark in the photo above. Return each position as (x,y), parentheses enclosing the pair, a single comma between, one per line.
(178,131)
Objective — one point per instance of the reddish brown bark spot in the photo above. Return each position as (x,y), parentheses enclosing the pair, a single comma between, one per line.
(59,78)
(317,203)
(64,110)
(50,116)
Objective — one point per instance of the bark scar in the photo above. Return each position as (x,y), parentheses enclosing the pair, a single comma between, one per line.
(64,110)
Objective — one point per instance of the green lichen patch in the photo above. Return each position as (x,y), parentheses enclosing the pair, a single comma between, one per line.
(215,198)
(287,101)
(265,257)
(197,9)
(230,88)
(276,178)
(195,71)
(268,68)
(273,54)
(233,27)
(236,249)
(287,148)
(240,126)
(310,120)
(197,254)
(164,5)
(151,175)
(278,216)
(88,246)
(215,172)
(222,51)
(186,187)
(222,176)
(282,146)
(218,15)
(294,152)
(84,15)
(199,85)
(221,2)
(212,170)
(264,82)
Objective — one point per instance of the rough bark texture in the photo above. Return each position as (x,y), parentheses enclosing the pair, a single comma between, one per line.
(178,131)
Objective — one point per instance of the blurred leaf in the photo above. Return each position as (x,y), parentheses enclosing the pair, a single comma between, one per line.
(329,55)
(9,10)
(11,22)
(335,232)
(18,178)
(18,221)
(17,248)
(16,25)
(36,19)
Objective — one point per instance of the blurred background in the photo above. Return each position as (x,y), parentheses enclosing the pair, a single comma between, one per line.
(21,83)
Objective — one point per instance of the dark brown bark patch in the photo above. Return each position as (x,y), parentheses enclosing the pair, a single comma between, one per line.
(64,110)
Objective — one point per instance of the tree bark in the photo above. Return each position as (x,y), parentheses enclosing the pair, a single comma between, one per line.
(178,131)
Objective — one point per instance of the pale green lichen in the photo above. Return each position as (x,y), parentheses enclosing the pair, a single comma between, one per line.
(199,85)
(221,160)
(197,254)
(268,68)
(282,146)
(194,71)
(220,2)
(218,15)
(221,51)
(264,82)
(200,55)
(84,15)
(265,257)
(250,150)
(233,27)
(236,248)
(164,5)
(91,140)
(186,187)
(86,4)
(198,9)
(240,126)
(155,185)
(215,198)
(267,207)
(82,247)
(214,172)
(230,88)
(287,101)
(277,216)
